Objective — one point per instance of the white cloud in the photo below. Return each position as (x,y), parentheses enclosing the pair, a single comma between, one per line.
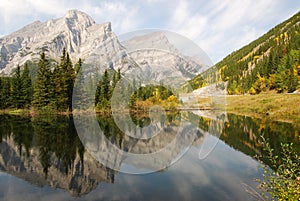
(217,26)
(122,16)
(221,26)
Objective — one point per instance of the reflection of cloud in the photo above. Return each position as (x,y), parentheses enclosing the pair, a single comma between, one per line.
(221,176)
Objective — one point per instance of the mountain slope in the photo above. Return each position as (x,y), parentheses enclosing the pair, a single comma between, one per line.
(99,48)
(160,60)
(76,31)
(272,62)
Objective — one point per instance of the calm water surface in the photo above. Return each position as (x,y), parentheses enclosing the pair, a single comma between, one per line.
(43,158)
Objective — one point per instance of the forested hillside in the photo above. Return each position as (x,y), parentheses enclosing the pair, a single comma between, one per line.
(272,62)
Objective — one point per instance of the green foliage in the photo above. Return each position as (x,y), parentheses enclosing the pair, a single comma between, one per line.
(42,86)
(17,89)
(63,81)
(49,91)
(5,92)
(19,92)
(284,182)
(275,57)
(26,89)
(105,88)
(150,95)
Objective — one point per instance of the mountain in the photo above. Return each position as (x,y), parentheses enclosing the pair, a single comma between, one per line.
(270,63)
(76,31)
(49,151)
(83,176)
(99,47)
(158,59)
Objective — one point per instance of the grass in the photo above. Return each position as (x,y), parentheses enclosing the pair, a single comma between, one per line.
(279,107)
(15,111)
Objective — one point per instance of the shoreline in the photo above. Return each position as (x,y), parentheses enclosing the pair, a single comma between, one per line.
(272,107)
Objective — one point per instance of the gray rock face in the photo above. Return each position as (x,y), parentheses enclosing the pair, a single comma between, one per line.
(147,57)
(160,60)
(76,31)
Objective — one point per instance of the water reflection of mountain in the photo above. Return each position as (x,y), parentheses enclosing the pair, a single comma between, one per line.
(47,151)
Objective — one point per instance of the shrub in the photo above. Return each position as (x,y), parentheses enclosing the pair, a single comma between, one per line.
(281,181)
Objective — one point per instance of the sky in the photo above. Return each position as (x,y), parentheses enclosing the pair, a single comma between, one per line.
(217,26)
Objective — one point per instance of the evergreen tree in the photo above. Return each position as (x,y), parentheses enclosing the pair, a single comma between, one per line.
(17,89)
(60,83)
(5,93)
(105,86)
(70,79)
(42,88)
(80,89)
(26,89)
(64,77)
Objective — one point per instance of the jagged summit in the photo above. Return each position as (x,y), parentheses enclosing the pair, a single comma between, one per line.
(97,45)
(76,31)
(78,20)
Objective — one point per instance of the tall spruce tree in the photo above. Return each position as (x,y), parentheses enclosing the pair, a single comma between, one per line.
(59,83)
(105,86)
(27,90)
(42,88)
(17,89)
(5,93)
(70,79)
(80,92)
(64,76)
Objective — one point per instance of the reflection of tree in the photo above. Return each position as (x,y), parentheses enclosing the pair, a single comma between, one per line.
(111,130)
(55,153)
(57,135)
(20,127)
(243,133)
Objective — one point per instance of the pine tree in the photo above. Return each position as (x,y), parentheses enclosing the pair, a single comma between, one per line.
(60,83)
(70,79)
(5,93)
(64,77)
(105,86)
(80,94)
(42,92)
(26,88)
(17,89)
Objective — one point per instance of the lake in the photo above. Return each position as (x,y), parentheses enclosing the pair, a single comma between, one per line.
(49,158)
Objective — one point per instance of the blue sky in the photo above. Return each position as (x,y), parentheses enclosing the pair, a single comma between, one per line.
(217,26)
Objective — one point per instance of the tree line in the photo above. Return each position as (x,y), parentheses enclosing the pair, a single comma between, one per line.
(52,88)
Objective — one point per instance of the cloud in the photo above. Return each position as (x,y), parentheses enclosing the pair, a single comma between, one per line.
(221,26)
(217,26)
(123,16)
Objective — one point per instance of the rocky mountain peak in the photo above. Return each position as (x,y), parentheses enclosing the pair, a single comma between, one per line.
(76,31)
(153,54)
(78,18)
